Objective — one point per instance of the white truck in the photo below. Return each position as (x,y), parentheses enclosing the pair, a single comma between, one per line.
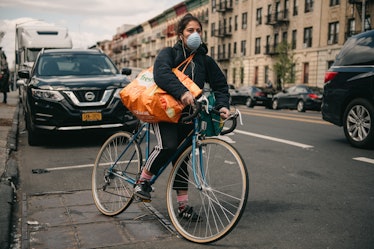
(31,39)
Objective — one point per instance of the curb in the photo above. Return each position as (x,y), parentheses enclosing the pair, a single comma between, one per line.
(8,181)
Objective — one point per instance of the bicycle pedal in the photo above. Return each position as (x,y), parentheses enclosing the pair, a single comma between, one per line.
(138,199)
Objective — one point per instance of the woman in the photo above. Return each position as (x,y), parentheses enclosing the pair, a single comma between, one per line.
(4,76)
(169,135)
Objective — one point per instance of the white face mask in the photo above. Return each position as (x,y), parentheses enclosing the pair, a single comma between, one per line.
(193,41)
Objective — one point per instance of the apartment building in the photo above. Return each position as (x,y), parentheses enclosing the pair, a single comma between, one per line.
(244,37)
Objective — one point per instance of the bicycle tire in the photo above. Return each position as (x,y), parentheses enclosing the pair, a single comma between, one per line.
(111,192)
(220,200)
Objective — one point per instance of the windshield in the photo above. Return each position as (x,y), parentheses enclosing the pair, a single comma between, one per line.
(75,64)
(32,53)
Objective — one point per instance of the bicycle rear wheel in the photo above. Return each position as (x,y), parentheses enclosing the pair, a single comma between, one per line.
(217,191)
(114,174)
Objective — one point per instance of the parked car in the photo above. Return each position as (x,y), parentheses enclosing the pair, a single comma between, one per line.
(251,96)
(299,97)
(348,98)
(69,89)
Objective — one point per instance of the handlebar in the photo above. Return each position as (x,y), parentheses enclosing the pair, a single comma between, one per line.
(202,103)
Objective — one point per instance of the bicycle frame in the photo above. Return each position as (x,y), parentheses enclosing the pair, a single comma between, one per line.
(144,133)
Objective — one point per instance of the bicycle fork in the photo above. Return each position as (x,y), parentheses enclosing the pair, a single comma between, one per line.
(198,165)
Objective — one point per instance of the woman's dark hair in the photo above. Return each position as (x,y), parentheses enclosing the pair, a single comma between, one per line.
(185,20)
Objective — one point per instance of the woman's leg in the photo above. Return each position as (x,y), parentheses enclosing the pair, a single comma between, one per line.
(166,146)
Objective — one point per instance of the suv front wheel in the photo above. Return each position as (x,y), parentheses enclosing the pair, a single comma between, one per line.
(359,123)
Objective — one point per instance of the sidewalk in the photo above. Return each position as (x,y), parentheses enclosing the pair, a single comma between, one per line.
(8,165)
(140,224)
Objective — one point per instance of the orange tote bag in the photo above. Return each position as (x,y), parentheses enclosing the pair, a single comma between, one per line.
(150,103)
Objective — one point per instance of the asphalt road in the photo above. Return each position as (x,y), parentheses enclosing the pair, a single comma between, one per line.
(308,187)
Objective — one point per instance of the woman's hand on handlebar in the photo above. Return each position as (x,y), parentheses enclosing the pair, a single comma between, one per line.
(224,112)
(187,98)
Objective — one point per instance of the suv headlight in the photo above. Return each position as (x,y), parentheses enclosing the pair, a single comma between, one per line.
(116,93)
(47,95)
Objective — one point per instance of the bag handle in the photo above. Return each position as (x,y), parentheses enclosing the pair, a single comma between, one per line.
(187,61)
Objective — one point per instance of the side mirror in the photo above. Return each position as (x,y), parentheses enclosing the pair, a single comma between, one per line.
(24,74)
(126,71)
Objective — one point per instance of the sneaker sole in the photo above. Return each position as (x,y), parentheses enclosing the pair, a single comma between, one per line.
(143,198)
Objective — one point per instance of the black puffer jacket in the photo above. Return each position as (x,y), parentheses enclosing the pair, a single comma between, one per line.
(205,69)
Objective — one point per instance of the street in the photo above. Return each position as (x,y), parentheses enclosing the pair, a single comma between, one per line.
(308,187)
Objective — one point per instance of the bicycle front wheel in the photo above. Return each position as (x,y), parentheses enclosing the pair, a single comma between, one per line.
(114,173)
(217,190)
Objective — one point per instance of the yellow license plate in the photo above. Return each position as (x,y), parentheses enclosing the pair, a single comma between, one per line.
(91,116)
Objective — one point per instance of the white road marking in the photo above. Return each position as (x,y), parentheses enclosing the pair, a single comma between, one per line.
(279,140)
(229,140)
(71,167)
(364,159)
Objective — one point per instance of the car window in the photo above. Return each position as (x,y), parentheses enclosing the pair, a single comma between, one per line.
(357,51)
(77,64)
(302,90)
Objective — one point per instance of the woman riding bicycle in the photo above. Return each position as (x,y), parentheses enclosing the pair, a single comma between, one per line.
(202,69)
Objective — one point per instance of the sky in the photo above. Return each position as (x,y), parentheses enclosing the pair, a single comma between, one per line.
(88,21)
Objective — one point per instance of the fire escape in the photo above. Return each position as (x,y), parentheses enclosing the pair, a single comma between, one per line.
(224,29)
(279,20)
(363,11)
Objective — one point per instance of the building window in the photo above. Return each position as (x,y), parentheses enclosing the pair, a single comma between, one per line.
(258,45)
(334,2)
(256,76)
(367,23)
(233,75)
(306,73)
(284,36)
(241,75)
(286,9)
(212,29)
(351,27)
(333,33)
(308,6)
(268,19)
(230,25)
(234,49)
(294,39)
(276,41)
(295,7)
(266,75)
(258,16)
(277,11)
(244,20)
(243,47)
(308,37)
(212,52)
(229,51)
(213,5)
(236,23)
(293,73)
(267,46)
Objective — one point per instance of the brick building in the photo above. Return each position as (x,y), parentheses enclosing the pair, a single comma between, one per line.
(243,36)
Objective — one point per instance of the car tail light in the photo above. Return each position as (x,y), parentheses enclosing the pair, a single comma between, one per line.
(330,75)
(260,94)
(313,96)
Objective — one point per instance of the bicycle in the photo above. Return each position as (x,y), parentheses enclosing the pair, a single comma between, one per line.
(217,185)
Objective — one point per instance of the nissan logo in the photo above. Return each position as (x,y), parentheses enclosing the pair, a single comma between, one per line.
(89,96)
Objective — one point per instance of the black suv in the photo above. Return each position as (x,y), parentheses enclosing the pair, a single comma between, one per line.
(348,98)
(70,89)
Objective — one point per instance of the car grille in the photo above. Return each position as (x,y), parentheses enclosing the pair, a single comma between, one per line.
(98,94)
(89,97)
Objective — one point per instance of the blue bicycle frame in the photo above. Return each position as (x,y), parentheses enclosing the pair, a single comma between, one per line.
(140,136)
